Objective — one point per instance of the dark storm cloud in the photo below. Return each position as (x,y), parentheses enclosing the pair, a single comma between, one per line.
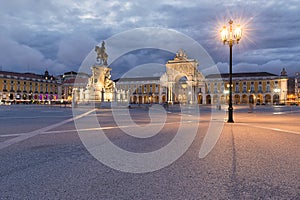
(57,35)
(139,57)
(71,49)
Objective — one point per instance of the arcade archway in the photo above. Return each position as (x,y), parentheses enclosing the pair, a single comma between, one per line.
(208,99)
(275,99)
(268,99)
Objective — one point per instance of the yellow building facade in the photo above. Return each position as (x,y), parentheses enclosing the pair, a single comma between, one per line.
(253,87)
(297,87)
(179,84)
(184,83)
(27,87)
(146,90)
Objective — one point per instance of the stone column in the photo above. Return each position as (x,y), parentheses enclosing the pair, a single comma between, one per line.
(190,92)
(160,94)
(170,92)
(272,100)
(127,95)
(203,94)
(81,96)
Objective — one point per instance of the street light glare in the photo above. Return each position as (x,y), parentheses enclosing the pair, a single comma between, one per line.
(238,32)
(233,35)
(224,34)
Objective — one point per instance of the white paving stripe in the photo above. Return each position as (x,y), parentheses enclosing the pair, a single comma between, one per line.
(269,128)
(35,117)
(25,136)
(93,129)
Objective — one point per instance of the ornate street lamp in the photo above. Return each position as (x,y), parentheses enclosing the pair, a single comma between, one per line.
(231,37)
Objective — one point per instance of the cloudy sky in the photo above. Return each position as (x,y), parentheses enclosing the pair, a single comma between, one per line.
(57,35)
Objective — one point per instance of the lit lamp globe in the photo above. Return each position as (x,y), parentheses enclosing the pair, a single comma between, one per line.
(184,85)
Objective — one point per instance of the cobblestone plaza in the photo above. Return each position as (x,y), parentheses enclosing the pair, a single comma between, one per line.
(42,156)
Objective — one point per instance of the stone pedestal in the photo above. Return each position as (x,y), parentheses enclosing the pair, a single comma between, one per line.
(100,87)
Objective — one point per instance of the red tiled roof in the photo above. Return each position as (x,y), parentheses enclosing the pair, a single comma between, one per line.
(137,79)
(238,75)
(76,80)
(25,75)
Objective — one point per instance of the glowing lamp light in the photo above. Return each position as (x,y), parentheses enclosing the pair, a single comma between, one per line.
(276,90)
(232,34)
(238,33)
(224,34)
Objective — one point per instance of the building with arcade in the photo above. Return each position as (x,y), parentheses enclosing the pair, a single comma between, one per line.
(251,87)
(183,83)
(27,87)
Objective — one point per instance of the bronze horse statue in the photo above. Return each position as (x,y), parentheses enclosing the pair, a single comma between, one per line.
(101,54)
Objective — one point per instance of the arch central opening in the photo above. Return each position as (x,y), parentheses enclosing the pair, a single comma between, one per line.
(181,89)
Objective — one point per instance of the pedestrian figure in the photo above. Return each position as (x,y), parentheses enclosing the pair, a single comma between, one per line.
(251,104)
(250,108)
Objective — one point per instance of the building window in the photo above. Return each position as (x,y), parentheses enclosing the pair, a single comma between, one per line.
(244,89)
(215,88)
(4,85)
(30,85)
(11,85)
(18,86)
(268,88)
(69,91)
(24,89)
(208,88)
(237,88)
(46,88)
(222,87)
(36,87)
(260,88)
(252,88)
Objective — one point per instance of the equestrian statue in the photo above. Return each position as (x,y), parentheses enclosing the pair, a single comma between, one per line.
(101,54)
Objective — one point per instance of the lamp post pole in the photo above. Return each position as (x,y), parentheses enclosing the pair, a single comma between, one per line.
(230,37)
(230,108)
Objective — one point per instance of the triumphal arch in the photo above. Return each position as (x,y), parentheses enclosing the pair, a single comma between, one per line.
(182,79)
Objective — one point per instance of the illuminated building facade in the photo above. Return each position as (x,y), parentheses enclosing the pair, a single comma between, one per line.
(297,87)
(252,87)
(27,87)
(141,90)
(71,81)
(183,83)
